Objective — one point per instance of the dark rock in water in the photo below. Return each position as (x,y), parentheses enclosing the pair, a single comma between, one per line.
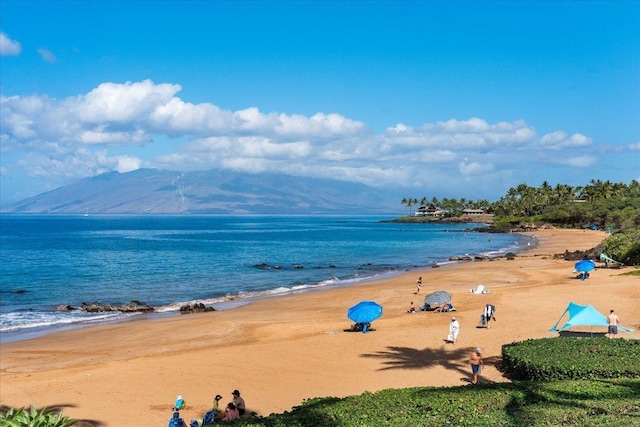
(197,307)
(298,266)
(64,307)
(262,266)
(132,307)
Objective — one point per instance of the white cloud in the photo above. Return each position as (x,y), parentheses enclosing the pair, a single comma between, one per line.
(474,168)
(47,55)
(578,161)
(125,103)
(474,134)
(559,139)
(127,163)
(69,138)
(634,147)
(9,47)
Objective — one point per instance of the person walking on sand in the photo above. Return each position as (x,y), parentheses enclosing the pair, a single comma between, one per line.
(489,314)
(476,363)
(454,328)
(418,285)
(613,320)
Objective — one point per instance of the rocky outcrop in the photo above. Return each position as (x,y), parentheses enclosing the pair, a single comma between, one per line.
(593,253)
(99,307)
(197,307)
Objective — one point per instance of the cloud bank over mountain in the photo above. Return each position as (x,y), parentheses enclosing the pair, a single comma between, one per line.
(103,130)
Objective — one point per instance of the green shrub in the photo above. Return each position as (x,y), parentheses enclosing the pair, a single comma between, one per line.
(624,246)
(580,403)
(571,358)
(33,418)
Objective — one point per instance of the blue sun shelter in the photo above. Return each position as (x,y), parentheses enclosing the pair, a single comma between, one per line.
(364,313)
(584,267)
(583,315)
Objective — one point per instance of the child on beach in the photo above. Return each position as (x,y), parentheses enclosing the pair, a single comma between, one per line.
(412,308)
(230,413)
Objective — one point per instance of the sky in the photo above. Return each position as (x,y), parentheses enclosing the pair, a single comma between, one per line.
(461,99)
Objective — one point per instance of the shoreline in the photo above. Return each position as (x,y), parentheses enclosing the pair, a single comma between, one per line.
(230,302)
(280,351)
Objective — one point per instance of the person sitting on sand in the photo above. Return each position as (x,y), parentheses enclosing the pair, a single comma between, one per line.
(412,308)
(230,412)
(239,402)
(444,308)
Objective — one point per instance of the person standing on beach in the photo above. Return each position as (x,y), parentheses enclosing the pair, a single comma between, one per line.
(418,285)
(489,314)
(613,320)
(454,328)
(476,363)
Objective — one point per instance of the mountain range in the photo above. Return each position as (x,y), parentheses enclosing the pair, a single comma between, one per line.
(153,191)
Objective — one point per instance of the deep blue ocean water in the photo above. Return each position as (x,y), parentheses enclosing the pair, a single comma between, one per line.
(169,261)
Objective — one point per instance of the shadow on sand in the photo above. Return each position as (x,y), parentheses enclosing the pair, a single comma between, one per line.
(411,358)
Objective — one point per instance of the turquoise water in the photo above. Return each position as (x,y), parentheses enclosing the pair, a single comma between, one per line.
(169,261)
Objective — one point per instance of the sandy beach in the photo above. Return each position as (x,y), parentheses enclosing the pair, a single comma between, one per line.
(280,351)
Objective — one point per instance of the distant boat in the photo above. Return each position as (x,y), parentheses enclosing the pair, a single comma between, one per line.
(86,213)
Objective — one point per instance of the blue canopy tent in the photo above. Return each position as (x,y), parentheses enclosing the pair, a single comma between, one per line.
(583,315)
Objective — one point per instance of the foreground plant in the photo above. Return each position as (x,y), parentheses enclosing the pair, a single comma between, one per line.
(33,418)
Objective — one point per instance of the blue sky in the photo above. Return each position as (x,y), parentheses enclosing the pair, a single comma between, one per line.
(445,99)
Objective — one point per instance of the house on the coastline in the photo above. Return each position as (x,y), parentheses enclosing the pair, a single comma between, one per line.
(473,212)
(431,211)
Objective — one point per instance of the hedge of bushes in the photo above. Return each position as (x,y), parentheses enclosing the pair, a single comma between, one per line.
(571,358)
(578,403)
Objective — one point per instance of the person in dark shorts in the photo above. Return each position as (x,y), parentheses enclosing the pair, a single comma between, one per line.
(613,320)
(238,402)
(475,361)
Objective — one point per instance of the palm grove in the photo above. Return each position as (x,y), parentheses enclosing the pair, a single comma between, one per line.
(604,204)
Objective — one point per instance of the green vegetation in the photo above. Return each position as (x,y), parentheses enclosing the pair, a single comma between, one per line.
(453,207)
(599,393)
(624,246)
(571,358)
(602,204)
(600,403)
(34,418)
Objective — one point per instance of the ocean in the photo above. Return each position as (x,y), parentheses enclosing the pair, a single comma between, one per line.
(221,261)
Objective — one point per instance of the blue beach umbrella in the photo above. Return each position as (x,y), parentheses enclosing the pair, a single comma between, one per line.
(365,312)
(585,266)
